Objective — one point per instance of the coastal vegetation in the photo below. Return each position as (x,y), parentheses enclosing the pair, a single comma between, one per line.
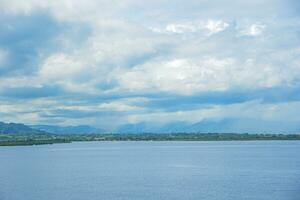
(37,139)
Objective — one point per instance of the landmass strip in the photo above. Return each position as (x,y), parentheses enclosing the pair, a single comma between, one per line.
(43,138)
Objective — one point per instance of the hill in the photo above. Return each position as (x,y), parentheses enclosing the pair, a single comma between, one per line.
(231,125)
(83,129)
(17,128)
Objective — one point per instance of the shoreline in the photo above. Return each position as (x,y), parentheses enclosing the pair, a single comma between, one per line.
(23,140)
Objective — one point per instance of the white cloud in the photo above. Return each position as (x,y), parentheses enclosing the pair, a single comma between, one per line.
(70,73)
(65,10)
(206,27)
(118,106)
(254,30)
(215,26)
(189,76)
(60,66)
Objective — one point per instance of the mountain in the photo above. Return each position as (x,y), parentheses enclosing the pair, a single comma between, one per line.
(218,126)
(142,127)
(229,125)
(233,125)
(83,129)
(132,128)
(17,128)
(175,127)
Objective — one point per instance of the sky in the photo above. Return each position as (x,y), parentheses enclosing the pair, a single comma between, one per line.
(108,63)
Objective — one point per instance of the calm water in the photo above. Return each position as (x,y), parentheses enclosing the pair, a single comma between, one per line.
(267,170)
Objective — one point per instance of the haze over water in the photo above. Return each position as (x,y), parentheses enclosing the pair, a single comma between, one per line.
(250,170)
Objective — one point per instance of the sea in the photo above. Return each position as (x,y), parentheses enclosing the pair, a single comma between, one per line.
(151,170)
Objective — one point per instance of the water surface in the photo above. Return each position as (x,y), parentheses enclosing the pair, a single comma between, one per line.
(262,170)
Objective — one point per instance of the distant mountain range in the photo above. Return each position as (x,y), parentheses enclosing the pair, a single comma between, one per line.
(16,128)
(83,129)
(205,126)
(231,125)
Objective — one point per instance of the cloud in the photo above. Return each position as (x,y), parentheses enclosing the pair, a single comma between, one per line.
(205,28)
(30,92)
(25,41)
(4,56)
(247,110)
(95,62)
(190,76)
(254,30)
(216,26)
